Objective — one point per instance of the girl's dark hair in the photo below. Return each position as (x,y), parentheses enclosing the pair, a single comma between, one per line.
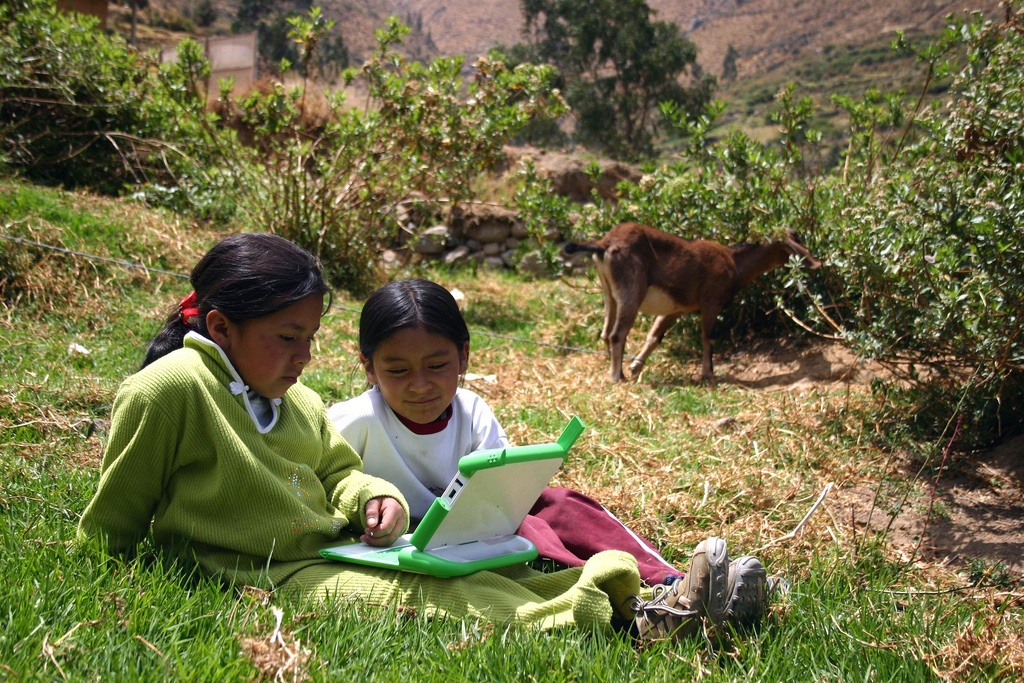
(244,276)
(410,303)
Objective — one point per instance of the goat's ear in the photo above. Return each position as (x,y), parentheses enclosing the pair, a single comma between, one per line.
(796,248)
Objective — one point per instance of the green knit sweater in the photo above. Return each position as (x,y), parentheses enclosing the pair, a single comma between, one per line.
(187,459)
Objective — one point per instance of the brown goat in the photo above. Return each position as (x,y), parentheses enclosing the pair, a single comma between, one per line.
(644,270)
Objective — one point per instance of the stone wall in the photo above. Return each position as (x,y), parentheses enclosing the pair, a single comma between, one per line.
(492,235)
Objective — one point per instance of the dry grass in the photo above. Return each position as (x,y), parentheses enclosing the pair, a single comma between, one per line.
(748,466)
(996,643)
(675,460)
(727,474)
(45,265)
(268,642)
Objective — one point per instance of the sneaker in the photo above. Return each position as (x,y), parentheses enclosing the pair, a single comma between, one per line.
(747,601)
(706,585)
(675,610)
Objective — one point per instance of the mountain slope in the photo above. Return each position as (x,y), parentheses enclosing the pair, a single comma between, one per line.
(766,33)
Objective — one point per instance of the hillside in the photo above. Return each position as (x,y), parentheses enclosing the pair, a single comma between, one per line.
(769,34)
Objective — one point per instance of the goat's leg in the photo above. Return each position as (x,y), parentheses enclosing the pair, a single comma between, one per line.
(661,325)
(610,310)
(708,317)
(617,339)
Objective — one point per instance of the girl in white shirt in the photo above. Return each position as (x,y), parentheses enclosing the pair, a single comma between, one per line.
(415,422)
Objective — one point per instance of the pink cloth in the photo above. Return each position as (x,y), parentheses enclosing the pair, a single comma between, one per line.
(568,527)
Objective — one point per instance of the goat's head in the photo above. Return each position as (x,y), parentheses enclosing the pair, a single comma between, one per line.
(794,246)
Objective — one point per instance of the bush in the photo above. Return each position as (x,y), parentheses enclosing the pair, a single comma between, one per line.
(926,254)
(77,107)
(918,223)
(64,87)
(331,177)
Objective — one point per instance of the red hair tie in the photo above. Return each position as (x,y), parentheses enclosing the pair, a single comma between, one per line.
(189,310)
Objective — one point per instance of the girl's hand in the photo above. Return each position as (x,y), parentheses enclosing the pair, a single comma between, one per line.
(385,521)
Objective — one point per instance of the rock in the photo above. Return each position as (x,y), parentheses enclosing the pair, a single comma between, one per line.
(568,174)
(431,242)
(489,232)
(493,263)
(482,222)
(532,263)
(457,255)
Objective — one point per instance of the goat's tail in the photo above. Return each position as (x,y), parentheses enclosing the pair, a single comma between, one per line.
(588,247)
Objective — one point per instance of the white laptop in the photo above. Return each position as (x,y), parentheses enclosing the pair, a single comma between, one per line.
(471,526)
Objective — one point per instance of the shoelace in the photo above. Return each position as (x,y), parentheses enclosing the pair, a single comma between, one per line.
(660,592)
(639,605)
(657,604)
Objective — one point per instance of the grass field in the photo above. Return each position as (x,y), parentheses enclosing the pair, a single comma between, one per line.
(677,460)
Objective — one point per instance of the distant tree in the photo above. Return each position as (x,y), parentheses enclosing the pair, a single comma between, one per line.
(250,15)
(616,66)
(273,42)
(542,131)
(273,25)
(729,64)
(308,35)
(204,13)
(414,20)
(333,57)
(135,5)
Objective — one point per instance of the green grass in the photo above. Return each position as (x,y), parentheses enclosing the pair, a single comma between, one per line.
(653,452)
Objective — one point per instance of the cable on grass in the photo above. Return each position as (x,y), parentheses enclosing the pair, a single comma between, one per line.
(93,257)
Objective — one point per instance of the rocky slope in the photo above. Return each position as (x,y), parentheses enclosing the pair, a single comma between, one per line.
(766,33)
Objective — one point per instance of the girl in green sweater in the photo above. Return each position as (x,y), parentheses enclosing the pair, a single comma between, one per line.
(219,452)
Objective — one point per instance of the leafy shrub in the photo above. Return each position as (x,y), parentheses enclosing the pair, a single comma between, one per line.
(64,87)
(77,107)
(331,177)
(918,223)
(926,253)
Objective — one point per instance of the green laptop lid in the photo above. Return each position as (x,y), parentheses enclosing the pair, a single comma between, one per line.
(471,526)
(506,484)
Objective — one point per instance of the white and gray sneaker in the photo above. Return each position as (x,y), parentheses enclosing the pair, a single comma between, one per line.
(709,586)
(676,610)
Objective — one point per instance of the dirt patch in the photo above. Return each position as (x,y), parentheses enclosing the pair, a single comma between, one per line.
(975,510)
(788,364)
(987,499)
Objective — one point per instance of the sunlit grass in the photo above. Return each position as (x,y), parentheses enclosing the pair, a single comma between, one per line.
(677,460)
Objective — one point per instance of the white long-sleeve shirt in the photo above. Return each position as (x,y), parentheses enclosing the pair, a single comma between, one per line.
(420,465)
